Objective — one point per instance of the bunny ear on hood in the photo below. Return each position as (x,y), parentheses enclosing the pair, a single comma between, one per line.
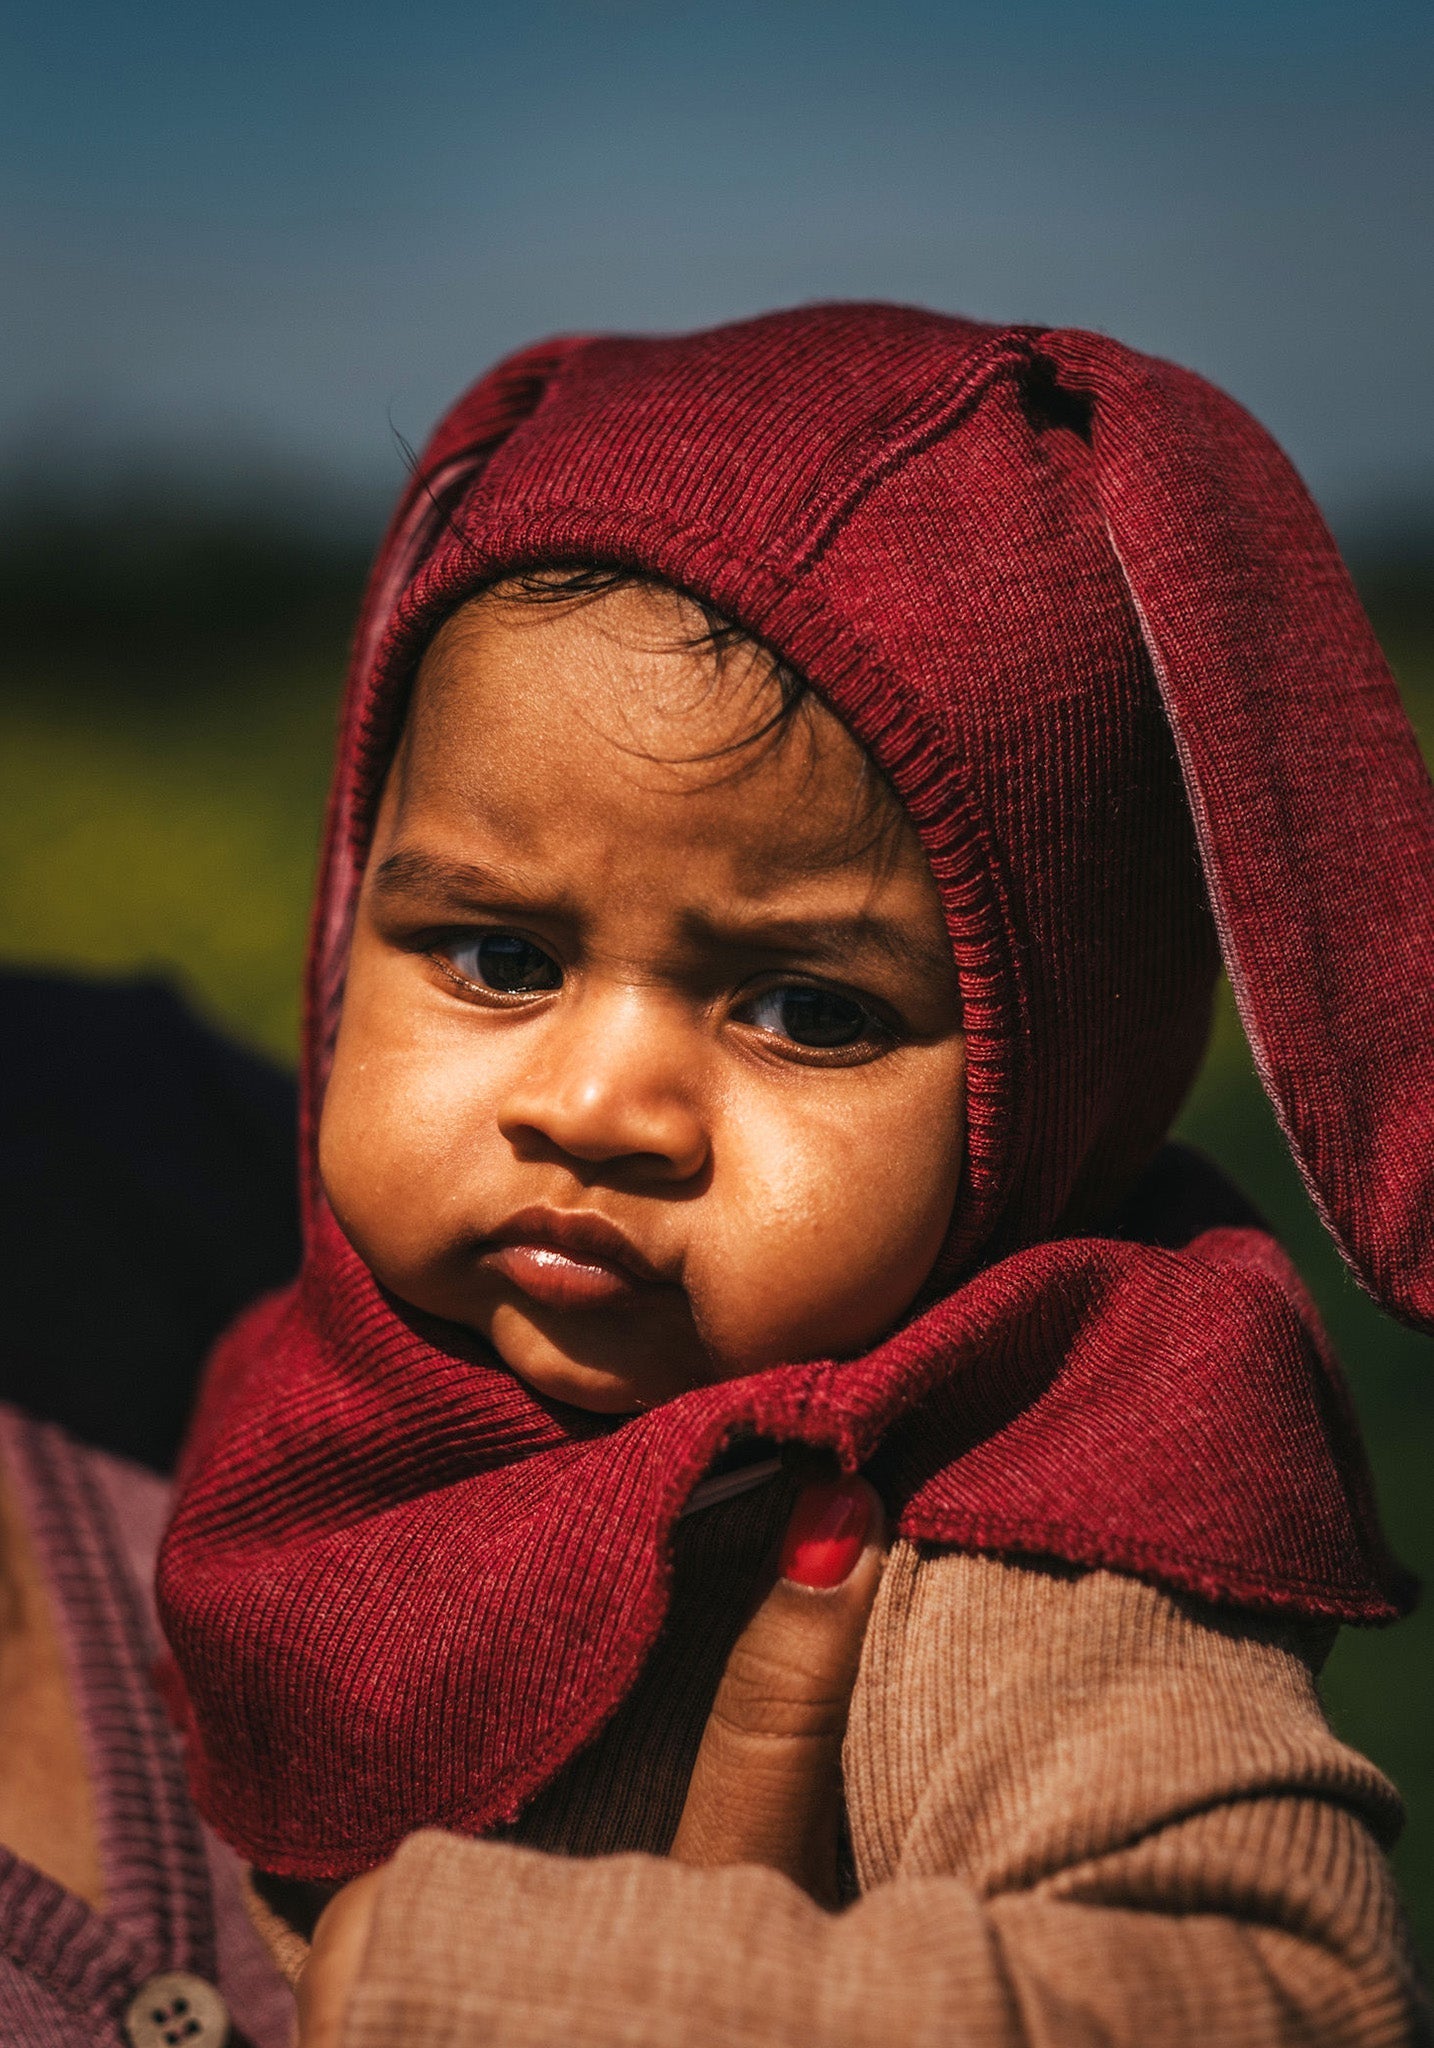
(1313,811)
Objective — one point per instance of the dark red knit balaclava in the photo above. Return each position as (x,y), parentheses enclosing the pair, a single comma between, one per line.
(1071,599)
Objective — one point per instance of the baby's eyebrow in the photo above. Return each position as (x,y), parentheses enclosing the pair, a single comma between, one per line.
(821,940)
(829,940)
(462,884)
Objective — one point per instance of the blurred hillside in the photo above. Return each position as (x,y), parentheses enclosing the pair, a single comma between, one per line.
(167,686)
(168,677)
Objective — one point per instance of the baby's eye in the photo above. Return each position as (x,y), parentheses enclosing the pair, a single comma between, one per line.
(818,1017)
(505,962)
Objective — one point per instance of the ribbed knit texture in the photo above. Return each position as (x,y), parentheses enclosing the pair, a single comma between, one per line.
(172,1899)
(1083,1812)
(401,1590)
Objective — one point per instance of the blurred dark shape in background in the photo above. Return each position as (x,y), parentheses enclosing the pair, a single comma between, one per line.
(169,668)
(147,1194)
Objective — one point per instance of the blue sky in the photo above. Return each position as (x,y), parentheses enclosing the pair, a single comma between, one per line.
(252,240)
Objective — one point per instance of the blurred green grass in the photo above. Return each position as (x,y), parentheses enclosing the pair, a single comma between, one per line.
(162,774)
(180,839)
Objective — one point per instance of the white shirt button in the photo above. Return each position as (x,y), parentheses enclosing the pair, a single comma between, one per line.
(177,2010)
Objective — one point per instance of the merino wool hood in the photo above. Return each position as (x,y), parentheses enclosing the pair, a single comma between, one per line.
(1084,615)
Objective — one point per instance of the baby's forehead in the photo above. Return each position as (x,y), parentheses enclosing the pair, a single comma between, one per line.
(615,703)
(638,648)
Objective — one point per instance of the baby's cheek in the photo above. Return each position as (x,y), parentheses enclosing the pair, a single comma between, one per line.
(821,1232)
(771,1275)
(391,1135)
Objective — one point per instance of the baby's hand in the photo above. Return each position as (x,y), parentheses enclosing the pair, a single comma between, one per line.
(766,1787)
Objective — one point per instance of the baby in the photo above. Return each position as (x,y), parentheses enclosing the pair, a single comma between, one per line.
(760,948)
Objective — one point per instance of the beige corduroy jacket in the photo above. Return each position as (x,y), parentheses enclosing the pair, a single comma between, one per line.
(1082,1811)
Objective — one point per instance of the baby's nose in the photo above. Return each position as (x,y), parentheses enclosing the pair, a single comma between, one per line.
(614,1090)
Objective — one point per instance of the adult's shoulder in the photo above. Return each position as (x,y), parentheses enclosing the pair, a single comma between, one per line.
(45,1464)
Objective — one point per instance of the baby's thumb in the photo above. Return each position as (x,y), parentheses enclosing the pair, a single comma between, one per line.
(766,1787)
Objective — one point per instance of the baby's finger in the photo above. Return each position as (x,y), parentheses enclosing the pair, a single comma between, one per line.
(766,1787)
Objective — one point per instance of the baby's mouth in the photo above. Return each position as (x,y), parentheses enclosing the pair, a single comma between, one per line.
(569,1259)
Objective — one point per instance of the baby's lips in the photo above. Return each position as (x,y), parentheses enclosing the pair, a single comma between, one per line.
(827,1532)
(556,1279)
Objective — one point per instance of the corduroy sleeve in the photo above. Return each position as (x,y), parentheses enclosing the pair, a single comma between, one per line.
(1083,1812)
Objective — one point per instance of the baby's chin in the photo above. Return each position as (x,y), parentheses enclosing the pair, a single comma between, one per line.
(602,1370)
(602,1363)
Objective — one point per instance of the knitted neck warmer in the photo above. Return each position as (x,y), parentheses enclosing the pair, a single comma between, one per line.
(1082,612)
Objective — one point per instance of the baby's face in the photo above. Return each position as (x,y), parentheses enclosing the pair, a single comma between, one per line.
(650,1068)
